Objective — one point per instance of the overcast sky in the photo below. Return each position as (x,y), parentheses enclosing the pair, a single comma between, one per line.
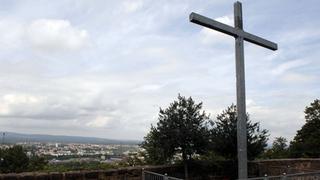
(103,68)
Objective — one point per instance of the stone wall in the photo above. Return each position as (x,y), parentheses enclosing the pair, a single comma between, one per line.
(130,173)
(220,170)
(279,166)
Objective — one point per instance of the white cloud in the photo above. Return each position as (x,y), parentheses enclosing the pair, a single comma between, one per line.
(209,36)
(48,35)
(212,37)
(55,35)
(284,67)
(250,103)
(148,88)
(297,78)
(98,122)
(11,34)
(226,20)
(298,35)
(29,106)
(11,103)
(278,120)
(132,6)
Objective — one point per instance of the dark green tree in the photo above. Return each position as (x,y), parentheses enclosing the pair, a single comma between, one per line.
(37,163)
(181,129)
(279,144)
(278,150)
(224,135)
(306,143)
(154,151)
(13,159)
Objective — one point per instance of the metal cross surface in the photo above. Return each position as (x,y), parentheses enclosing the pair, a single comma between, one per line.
(240,35)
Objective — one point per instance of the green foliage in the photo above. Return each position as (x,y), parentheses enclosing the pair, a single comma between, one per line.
(135,159)
(306,143)
(155,153)
(13,159)
(211,156)
(279,144)
(224,135)
(278,150)
(37,163)
(181,129)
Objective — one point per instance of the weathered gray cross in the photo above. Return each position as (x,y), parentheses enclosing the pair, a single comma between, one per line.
(240,35)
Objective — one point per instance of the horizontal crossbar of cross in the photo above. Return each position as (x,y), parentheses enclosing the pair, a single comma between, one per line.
(212,24)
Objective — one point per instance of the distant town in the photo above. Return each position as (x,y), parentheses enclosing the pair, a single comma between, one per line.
(65,149)
(67,152)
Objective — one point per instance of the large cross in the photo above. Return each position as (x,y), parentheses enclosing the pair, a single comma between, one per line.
(240,35)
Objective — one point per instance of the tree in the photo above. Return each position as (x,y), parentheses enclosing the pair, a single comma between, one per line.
(134,159)
(279,144)
(278,150)
(154,151)
(37,163)
(306,143)
(13,159)
(224,135)
(181,129)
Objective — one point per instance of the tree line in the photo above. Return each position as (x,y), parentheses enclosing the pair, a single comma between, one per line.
(184,132)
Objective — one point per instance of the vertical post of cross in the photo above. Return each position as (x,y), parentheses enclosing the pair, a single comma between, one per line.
(241,95)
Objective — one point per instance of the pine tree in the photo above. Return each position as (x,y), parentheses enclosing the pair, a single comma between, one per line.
(181,129)
(224,135)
